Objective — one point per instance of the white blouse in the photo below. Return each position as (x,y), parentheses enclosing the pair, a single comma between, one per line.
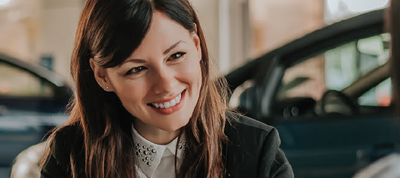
(157,161)
(386,167)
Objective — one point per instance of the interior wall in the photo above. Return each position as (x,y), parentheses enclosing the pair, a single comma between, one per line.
(208,14)
(59,20)
(19,23)
(235,30)
(275,23)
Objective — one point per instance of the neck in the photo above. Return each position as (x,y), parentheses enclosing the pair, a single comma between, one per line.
(155,135)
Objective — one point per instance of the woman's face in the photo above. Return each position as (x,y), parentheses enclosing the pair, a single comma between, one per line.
(160,82)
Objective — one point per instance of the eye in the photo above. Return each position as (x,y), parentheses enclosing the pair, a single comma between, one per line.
(136,70)
(177,55)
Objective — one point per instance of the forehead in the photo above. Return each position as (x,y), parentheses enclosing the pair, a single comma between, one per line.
(163,33)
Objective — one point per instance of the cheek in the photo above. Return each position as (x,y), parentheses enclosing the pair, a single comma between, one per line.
(129,96)
(130,93)
(192,72)
(132,100)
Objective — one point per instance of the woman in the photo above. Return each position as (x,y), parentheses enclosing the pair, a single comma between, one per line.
(146,105)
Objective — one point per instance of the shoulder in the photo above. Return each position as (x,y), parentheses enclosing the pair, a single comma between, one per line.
(248,134)
(240,125)
(64,140)
(253,147)
(67,135)
(66,131)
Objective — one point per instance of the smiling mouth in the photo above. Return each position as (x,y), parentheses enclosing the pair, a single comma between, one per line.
(168,104)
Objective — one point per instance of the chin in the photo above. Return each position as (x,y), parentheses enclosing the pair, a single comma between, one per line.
(175,126)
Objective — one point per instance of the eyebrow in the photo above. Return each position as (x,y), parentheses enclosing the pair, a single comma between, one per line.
(143,61)
(172,47)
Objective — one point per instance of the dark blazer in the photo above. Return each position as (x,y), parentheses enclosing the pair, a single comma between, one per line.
(252,152)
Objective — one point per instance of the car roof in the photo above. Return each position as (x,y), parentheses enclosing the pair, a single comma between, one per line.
(333,35)
(37,70)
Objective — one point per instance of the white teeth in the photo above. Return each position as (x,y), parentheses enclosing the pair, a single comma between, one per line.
(171,103)
(167,105)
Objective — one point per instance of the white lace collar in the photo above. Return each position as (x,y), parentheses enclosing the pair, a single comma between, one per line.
(149,155)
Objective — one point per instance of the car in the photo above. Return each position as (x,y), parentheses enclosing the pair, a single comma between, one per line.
(329,95)
(33,100)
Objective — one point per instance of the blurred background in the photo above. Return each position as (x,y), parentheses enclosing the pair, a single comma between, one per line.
(33,100)
(42,31)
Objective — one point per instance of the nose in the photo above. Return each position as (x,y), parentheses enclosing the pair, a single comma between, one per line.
(164,80)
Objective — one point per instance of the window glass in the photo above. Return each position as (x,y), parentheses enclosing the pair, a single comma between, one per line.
(341,66)
(381,95)
(303,80)
(347,63)
(15,82)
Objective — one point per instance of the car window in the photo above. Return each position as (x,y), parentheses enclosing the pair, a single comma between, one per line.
(305,79)
(347,63)
(338,68)
(15,82)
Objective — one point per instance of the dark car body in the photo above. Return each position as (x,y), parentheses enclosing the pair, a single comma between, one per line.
(321,144)
(32,101)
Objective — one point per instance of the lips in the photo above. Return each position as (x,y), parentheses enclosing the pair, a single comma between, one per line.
(170,106)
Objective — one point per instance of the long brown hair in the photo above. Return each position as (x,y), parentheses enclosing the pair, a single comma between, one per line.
(108,32)
(393,26)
